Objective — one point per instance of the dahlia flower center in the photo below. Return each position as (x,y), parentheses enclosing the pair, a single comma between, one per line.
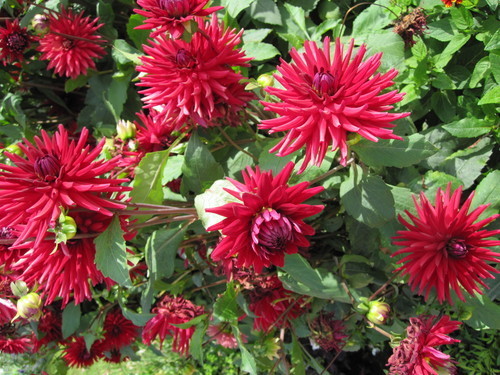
(272,230)
(47,167)
(67,44)
(17,42)
(184,59)
(175,8)
(323,83)
(457,249)
(6,233)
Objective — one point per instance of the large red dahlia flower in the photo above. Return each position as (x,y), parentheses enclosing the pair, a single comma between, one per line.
(417,353)
(170,15)
(326,98)
(194,81)
(172,310)
(57,173)
(118,331)
(71,43)
(268,223)
(444,249)
(14,40)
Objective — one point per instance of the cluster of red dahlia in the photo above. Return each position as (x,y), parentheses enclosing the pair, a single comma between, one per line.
(67,40)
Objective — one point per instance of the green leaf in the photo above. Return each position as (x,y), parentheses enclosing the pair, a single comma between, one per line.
(485,313)
(441,30)
(392,47)
(469,127)
(266,11)
(260,51)
(148,178)
(247,360)
(371,20)
(367,198)
(117,94)
(455,44)
(225,307)
(161,249)
(111,253)
(255,35)
(488,192)
(433,180)
(494,42)
(269,161)
(402,199)
(214,196)
(444,104)
(491,97)
(72,84)
(301,278)
(139,37)
(123,53)
(70,319)
(394,153)
(234,7)
(467,164)
(462,18)
(298,362)
(200,169)
(192,322)
(298,16)
(196,344)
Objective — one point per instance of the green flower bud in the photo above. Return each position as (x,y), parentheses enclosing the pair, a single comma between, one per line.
(14,149)
(68,227)
(265,80)
(40,24)
(29,307)
(376,312)
(125,130)
(19,288)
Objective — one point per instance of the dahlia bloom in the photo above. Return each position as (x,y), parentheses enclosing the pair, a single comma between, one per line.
(118,331)
(71,43)
(15,345)
(444,249)
(77,355)
(223,335)
(172,310)
(268,223)
(67,271)
(14,40)
(8,256)
(328,332)
(194,81)
(418,353)
(273,305)
(326,98)
(171,15)
(56,174)
(50,326)
(154,132)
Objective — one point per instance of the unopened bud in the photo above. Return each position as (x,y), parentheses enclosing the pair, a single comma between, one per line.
(68,226)
(14,149)
(376,312)
(40,24)
(19,288)
(29,307)
(265,80)
(125,130)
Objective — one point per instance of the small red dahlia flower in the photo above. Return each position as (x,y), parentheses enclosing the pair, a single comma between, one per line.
(273,305)
(223,335)
(50,326)
(328,332)
(444,249)
(16,345)
(172,310)
(77,355)
(193,81)
(58,173)
(268,223)
(71,43)
(14,40)
(171,15)
(418,353)
(154,131)
(326,98)
(118,331)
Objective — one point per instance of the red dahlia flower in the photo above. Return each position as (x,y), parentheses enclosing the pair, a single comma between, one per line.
(71,43)
(194,81)
(326,98)
(444,248)
(58,173)
(15,345)
(170,15)
(327,332)
(172,310)
(417,353)
(77,355)
(268,223)
(14,40)
(154,132)
(118,331)
(70,270)
(273,305)
(50,326)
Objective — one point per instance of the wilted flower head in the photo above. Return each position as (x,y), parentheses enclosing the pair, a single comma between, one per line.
(268,223)
(273,305)
(325,98)
(444,249)
(14,40)
(328,332)
(410,25)
(171,15)
(172,310)
(56,174)
(194,81)
(71,44)
(418,353)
